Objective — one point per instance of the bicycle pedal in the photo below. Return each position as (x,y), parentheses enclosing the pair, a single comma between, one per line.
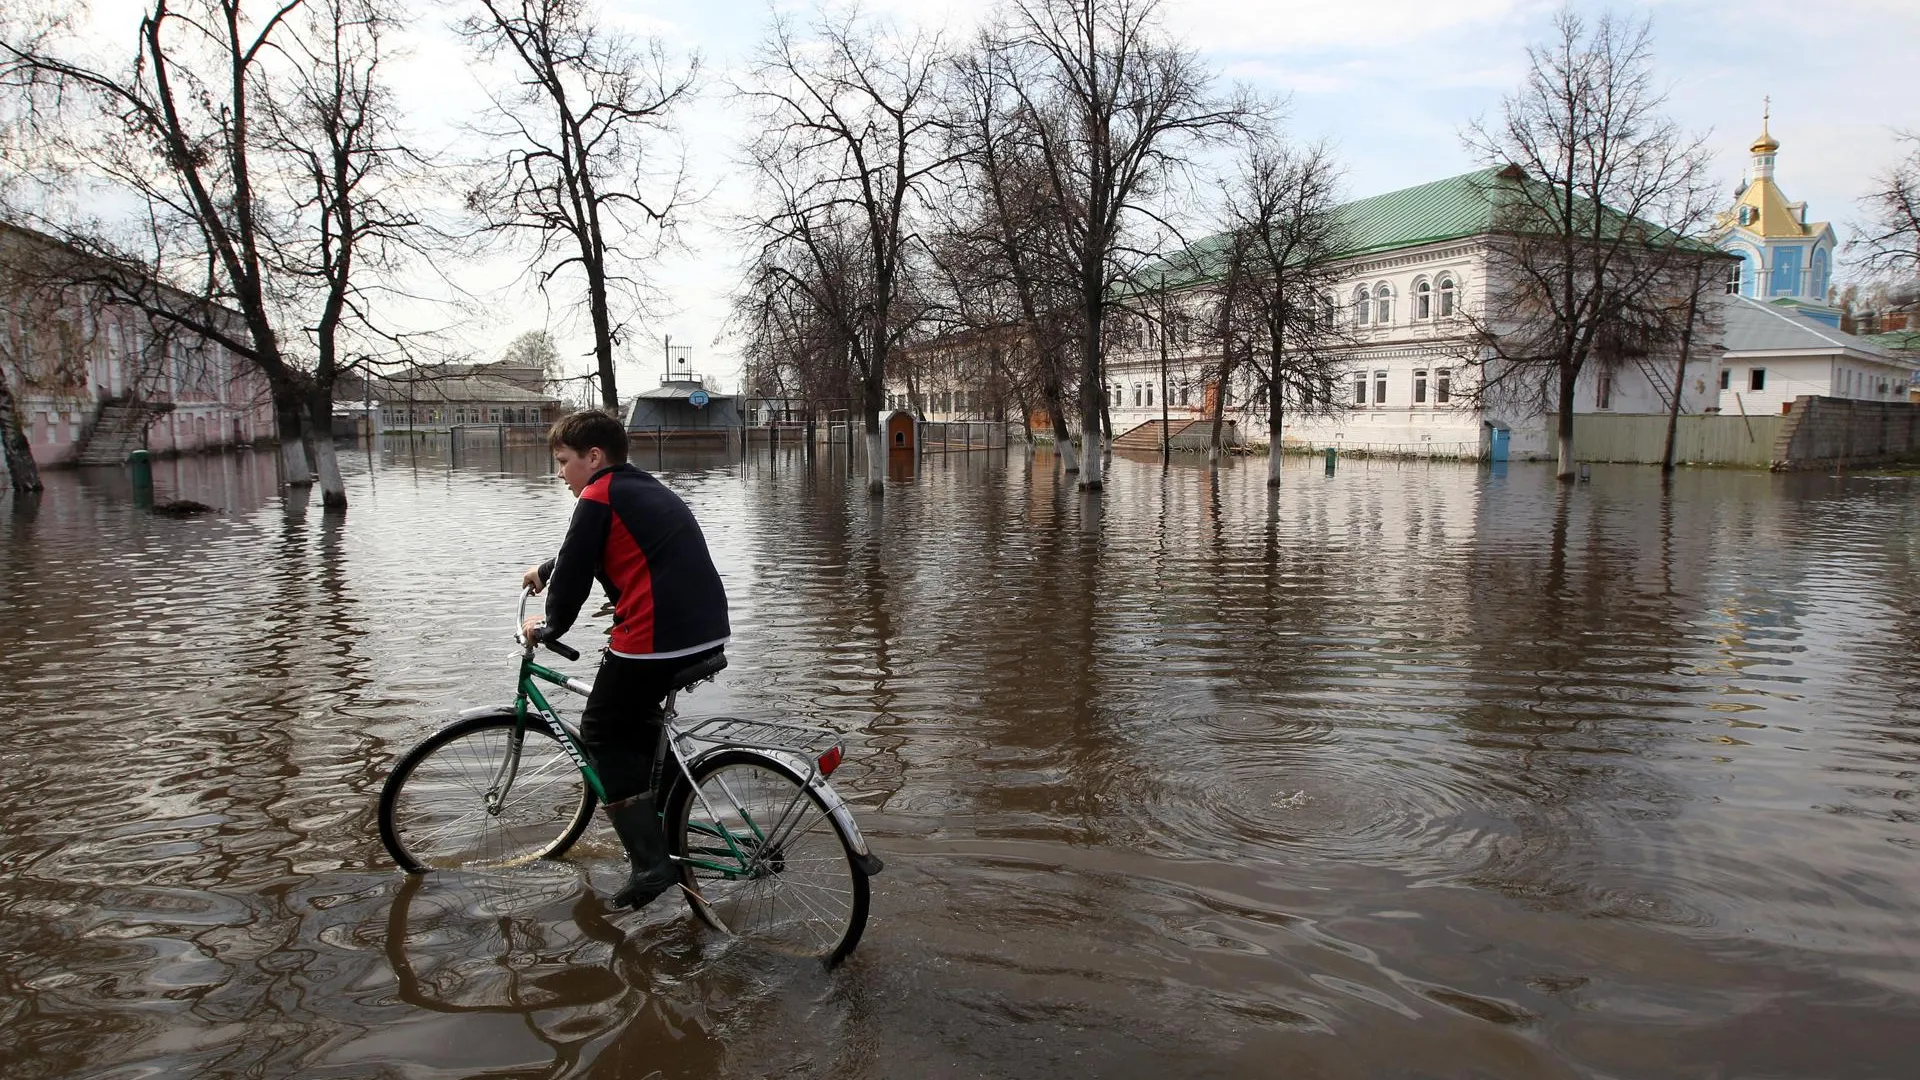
(706,910)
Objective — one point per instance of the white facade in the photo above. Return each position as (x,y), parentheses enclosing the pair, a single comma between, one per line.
(1777,352)
(1407,389)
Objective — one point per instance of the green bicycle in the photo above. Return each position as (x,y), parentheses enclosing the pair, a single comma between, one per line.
(767,849)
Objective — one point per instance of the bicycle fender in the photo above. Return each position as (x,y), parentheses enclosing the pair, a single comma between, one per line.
(807,773)
(504,710)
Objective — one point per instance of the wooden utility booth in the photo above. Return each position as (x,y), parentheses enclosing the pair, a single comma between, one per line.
(902,444)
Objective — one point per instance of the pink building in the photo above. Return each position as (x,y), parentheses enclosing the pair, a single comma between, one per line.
(91,380)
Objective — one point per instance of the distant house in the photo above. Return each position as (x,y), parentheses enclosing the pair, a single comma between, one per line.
(436,397)
(1779,351)
(91,379)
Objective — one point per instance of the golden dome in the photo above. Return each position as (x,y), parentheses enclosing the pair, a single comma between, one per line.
(1765,144)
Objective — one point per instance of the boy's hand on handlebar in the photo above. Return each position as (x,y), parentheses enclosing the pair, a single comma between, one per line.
(531,582)
(532,624)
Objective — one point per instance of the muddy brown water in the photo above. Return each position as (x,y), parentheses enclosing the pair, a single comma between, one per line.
(1412,771)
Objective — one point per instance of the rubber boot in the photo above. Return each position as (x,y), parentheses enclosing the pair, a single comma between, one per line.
(637,823)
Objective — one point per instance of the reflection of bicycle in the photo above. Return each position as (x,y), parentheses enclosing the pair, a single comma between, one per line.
(767,849)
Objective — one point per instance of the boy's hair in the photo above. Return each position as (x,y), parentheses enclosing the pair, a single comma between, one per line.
(582,431)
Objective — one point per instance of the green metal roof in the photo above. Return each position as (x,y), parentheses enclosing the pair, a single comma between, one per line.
(1428,214)
(1903,340)
(1450,209)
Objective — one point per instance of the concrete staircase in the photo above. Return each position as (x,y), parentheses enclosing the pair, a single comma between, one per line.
(1146,437)
(119,430)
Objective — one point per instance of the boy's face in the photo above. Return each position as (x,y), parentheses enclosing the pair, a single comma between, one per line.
(576,468)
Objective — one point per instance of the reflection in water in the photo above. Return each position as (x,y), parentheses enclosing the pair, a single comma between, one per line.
(1410,764)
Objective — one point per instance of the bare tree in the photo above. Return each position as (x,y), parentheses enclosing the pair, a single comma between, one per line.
(1890,241)
(1591,213)
(852,139)
(347,228)
(1003,252)
(1113,105)
(251,143)
(1283,212)
(585,171)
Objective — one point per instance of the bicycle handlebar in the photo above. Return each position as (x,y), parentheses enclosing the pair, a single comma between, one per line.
(567,651)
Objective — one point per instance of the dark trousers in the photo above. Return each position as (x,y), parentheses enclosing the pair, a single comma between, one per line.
(622,726)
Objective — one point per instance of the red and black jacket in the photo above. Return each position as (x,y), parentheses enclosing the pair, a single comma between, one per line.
(645,548)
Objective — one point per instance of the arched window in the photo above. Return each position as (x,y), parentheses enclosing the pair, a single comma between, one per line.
(1382,304)
(1360,306)
(1423,299)
(1822,274)
(1449,292)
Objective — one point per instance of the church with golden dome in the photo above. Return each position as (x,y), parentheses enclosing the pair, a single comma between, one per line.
(1783,256)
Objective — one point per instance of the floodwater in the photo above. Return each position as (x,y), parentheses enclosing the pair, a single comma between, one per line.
(1410,771)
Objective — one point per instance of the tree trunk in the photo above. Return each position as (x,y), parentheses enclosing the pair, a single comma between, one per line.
(1054,392)
(333,491)
(1091,396)
(293,455)
(875,394)
(1568,377)
(602,338)
(1276,413)
(22,472)
(1680,373)
(1219,411)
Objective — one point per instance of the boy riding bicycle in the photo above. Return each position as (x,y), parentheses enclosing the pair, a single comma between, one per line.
(670,611)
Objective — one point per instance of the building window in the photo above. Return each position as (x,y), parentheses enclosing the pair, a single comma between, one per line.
(1360,306)
(1443,386)
(1603,393)
(1359,388)
(1420,381)
(1379,388)
(1136,395)
(1186,394)
(1149,393)
(1382,305)
(1726,378)
(1734,272)
(1447,293)
(1423,301)
(1756,378)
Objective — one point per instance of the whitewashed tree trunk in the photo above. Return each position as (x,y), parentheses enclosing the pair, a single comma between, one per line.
(293,459)
(876,461)
(1069,460)
(1273,463)
(1090,455)
(333,491)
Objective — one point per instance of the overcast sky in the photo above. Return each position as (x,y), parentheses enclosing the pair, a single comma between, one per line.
(1389,82)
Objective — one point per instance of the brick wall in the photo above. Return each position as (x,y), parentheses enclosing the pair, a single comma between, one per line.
(1825,433)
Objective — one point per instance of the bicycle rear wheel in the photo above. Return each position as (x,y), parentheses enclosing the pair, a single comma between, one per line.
(444,806)
(768,859)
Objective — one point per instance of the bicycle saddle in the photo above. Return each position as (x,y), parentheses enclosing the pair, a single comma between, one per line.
(704,669)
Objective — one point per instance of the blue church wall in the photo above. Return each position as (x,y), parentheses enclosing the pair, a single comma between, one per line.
(1785,279)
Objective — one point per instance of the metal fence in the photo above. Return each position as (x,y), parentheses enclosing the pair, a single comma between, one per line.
(1716,439)
(956,436)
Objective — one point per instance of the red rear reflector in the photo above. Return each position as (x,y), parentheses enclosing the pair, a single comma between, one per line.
(829,761)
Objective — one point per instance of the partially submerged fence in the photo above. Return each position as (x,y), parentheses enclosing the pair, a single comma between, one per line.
(953,436)
(1712,439)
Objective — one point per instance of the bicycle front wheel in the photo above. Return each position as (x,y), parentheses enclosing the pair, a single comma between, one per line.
(481,793)
(766,859)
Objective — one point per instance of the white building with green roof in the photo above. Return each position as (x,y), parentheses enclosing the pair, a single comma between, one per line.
(1415,261)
